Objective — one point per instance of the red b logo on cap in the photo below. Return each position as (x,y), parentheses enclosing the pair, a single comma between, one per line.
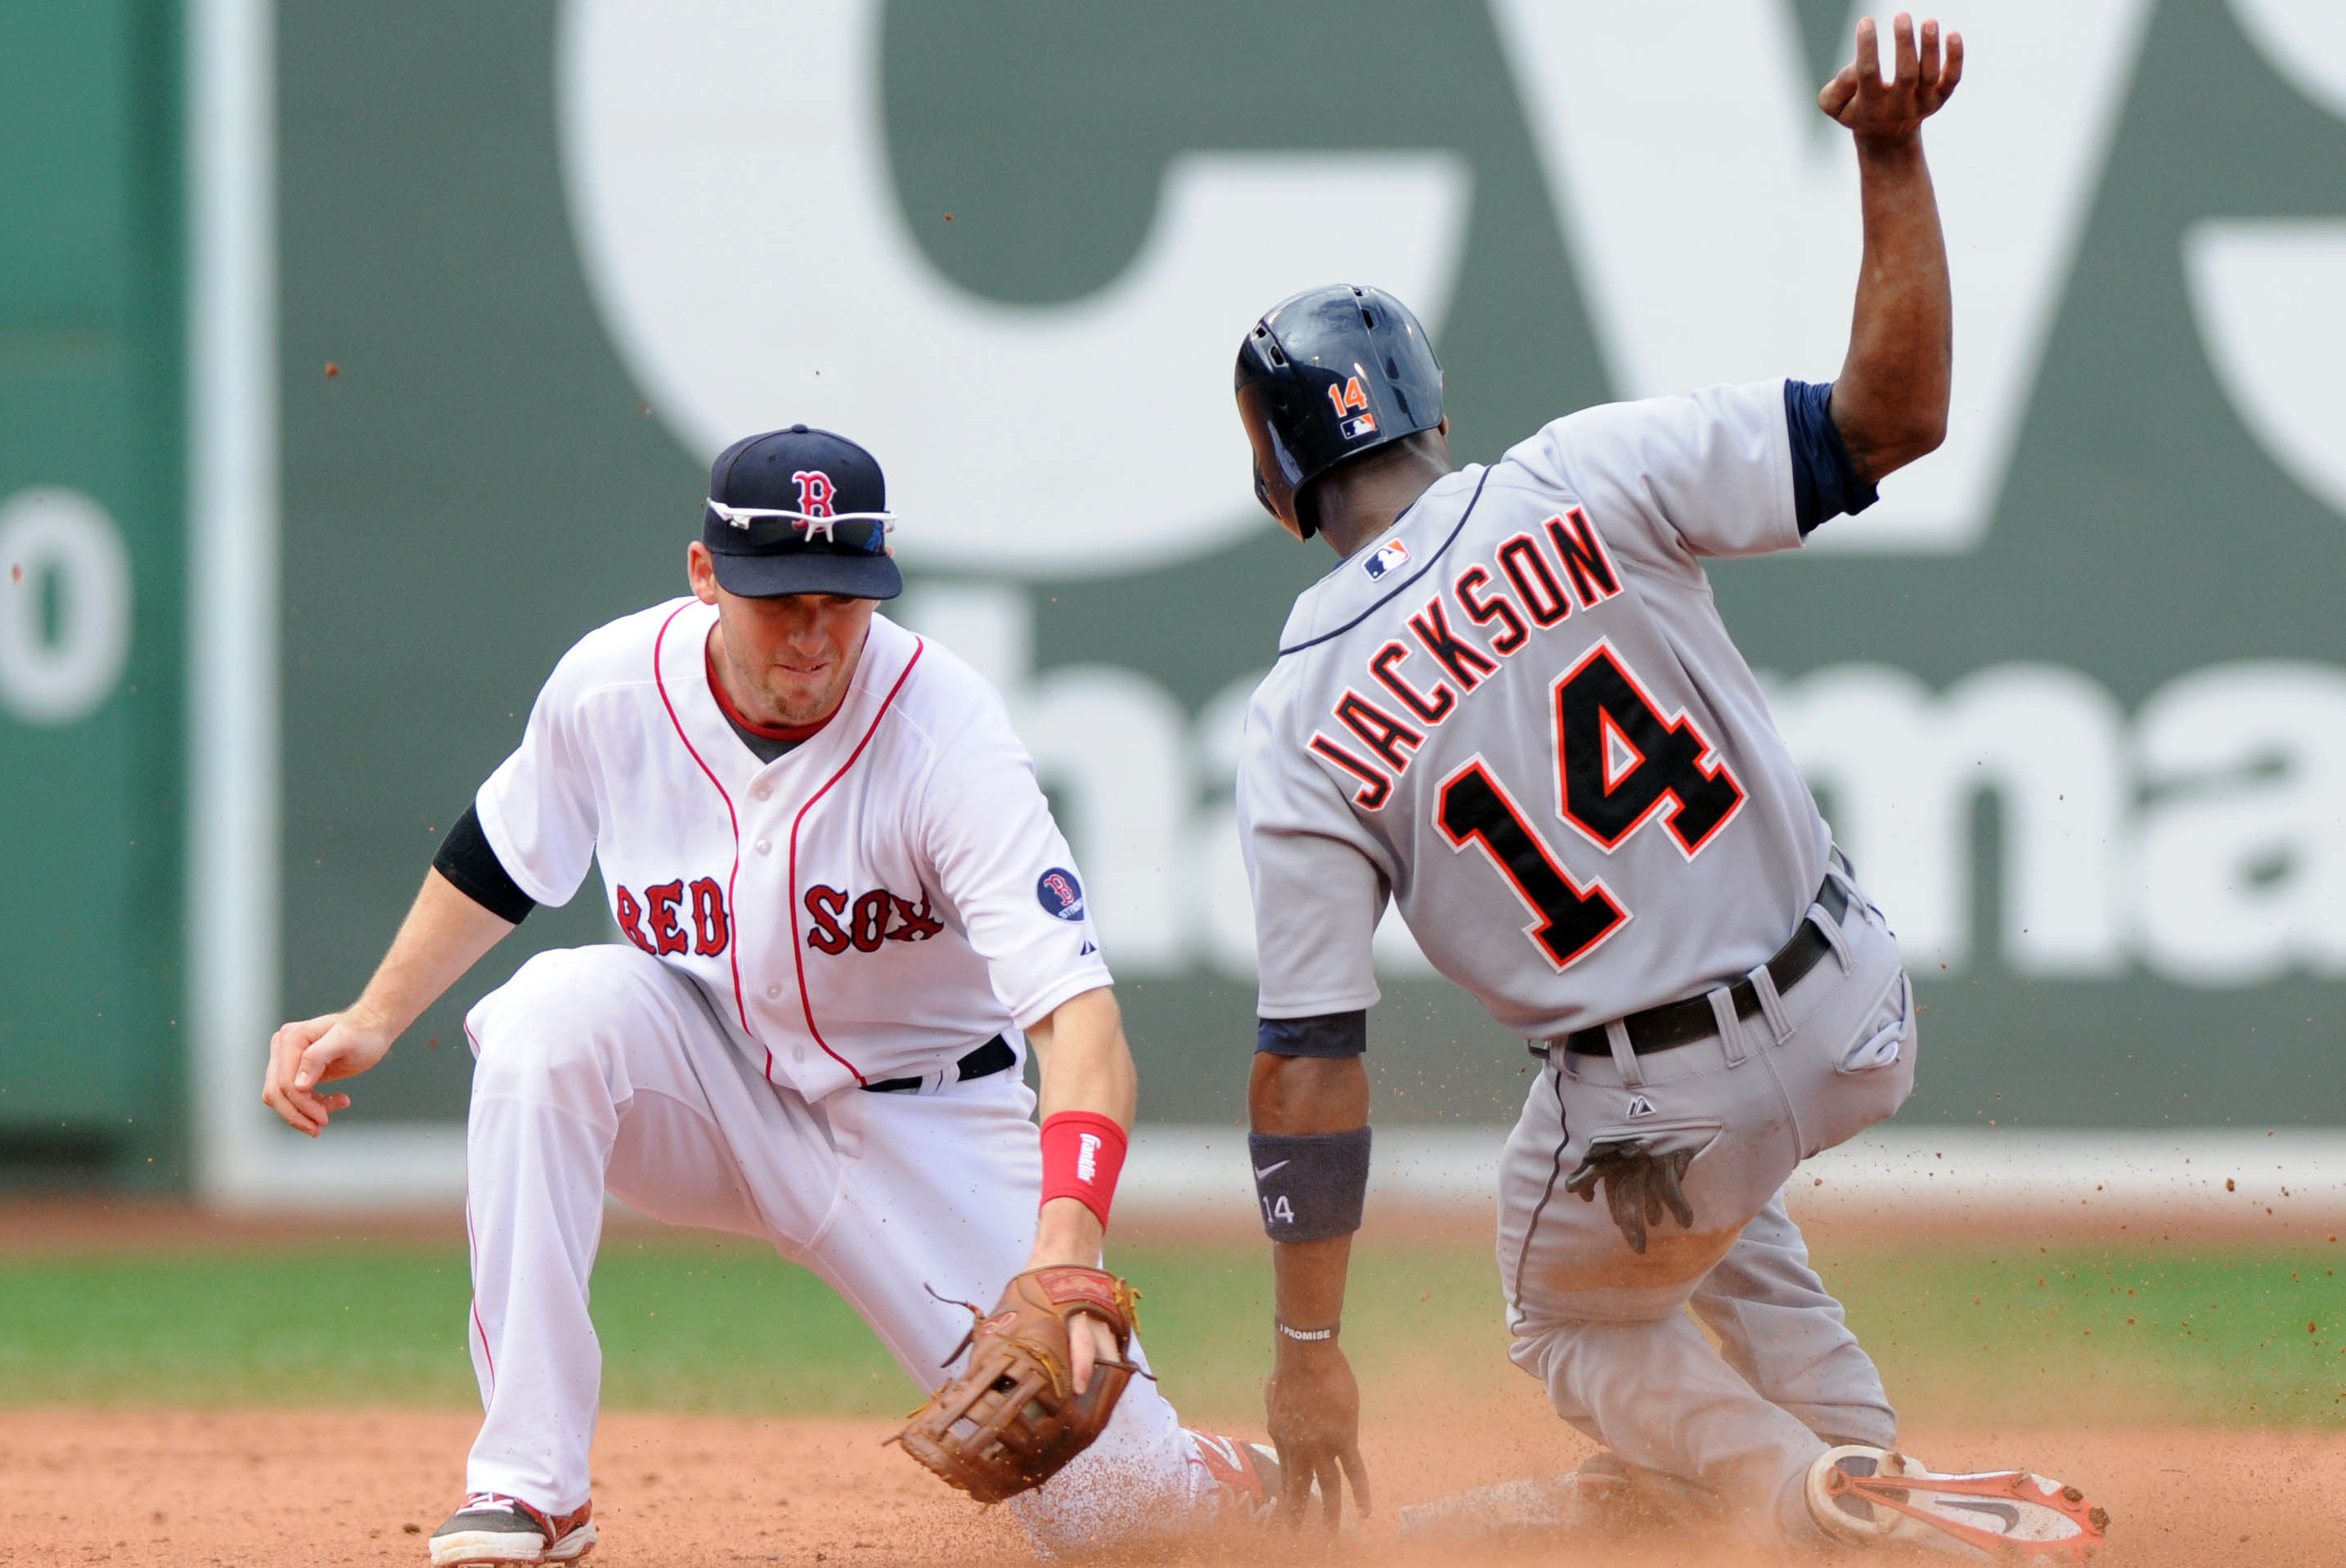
(815,492)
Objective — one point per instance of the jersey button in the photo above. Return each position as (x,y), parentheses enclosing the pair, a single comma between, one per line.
(773,992)
(764,848)
(798,1052)
(763,791)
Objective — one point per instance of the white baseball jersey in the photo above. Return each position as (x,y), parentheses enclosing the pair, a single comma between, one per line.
(1518,714)
(866,908)
(871,905)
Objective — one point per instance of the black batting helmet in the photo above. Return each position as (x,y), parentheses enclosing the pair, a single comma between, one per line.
(1328,375)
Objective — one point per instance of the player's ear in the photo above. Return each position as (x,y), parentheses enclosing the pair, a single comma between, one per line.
(1438,438)
(700,570)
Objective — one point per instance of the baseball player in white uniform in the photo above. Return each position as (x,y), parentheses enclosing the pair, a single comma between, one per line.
(1514,711)
(848,915)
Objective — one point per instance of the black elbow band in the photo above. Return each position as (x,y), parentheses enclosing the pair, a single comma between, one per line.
(1327,1034)
(1311,1185)
(469,862)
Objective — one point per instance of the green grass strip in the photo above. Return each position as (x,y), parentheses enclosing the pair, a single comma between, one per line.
(2158,1333)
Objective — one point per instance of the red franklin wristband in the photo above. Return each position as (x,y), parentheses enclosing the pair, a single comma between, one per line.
(1083,1153)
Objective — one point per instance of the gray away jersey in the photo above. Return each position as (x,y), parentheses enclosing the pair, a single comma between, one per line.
(1518,714)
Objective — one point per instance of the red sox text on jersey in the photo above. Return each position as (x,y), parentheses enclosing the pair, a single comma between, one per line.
(680,917)
(855,910)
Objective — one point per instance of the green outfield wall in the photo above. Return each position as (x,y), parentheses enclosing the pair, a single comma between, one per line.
(2074,696)
(90,590)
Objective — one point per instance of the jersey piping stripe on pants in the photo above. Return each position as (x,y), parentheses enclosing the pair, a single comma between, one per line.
(1547,1193)
(740,1007)
(473,1263)
(798,948)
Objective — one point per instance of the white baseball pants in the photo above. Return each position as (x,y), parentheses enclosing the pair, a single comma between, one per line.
(1603,1325)
(601,1069)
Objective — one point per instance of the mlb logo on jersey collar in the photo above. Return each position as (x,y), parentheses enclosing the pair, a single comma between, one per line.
(1389,557)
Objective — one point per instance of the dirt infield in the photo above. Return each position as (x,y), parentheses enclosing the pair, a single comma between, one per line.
(330,1488)
(310,1486)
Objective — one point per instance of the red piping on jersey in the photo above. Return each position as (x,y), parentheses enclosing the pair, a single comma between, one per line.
(472,1255)
(731,908)
(798,948)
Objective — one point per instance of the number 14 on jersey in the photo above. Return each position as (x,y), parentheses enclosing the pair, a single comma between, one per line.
(1620,766)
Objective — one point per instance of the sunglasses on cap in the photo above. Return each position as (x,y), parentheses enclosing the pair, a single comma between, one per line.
(856,532)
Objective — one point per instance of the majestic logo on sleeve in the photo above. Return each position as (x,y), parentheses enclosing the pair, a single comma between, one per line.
(1060,894)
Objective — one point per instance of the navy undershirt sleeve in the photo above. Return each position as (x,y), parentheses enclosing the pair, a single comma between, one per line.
(1328,1035)
(468,859)
(1824,481)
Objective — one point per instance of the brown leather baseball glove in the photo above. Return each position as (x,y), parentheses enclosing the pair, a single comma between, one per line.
(1012,1417)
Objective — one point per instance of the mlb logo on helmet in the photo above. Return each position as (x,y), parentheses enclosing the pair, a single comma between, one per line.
(1060,894)
(1349,398)
(1390,556)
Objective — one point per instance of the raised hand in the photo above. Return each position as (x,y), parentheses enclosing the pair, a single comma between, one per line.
(1922,80)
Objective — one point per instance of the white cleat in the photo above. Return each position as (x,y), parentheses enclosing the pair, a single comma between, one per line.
(1864,1496)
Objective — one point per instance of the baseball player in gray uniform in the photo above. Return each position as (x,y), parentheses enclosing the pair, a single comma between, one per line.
(1513,710)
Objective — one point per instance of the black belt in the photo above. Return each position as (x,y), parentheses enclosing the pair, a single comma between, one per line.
(994,1056)
(1675,1023)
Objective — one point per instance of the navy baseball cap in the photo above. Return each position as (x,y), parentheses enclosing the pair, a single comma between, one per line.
(799,510)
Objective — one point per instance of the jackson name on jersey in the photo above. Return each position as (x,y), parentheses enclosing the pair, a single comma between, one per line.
(1518,715)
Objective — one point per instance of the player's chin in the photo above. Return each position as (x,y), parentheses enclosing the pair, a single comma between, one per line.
(794,692)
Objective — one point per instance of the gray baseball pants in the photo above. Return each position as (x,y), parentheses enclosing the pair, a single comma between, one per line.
(1604,1326)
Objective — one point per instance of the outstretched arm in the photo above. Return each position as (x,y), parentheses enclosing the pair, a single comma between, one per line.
(1312,1399)
(1086,1065)
(1890,400)
(445,934)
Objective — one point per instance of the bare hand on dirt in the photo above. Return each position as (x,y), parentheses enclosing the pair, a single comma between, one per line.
(1314,1406)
